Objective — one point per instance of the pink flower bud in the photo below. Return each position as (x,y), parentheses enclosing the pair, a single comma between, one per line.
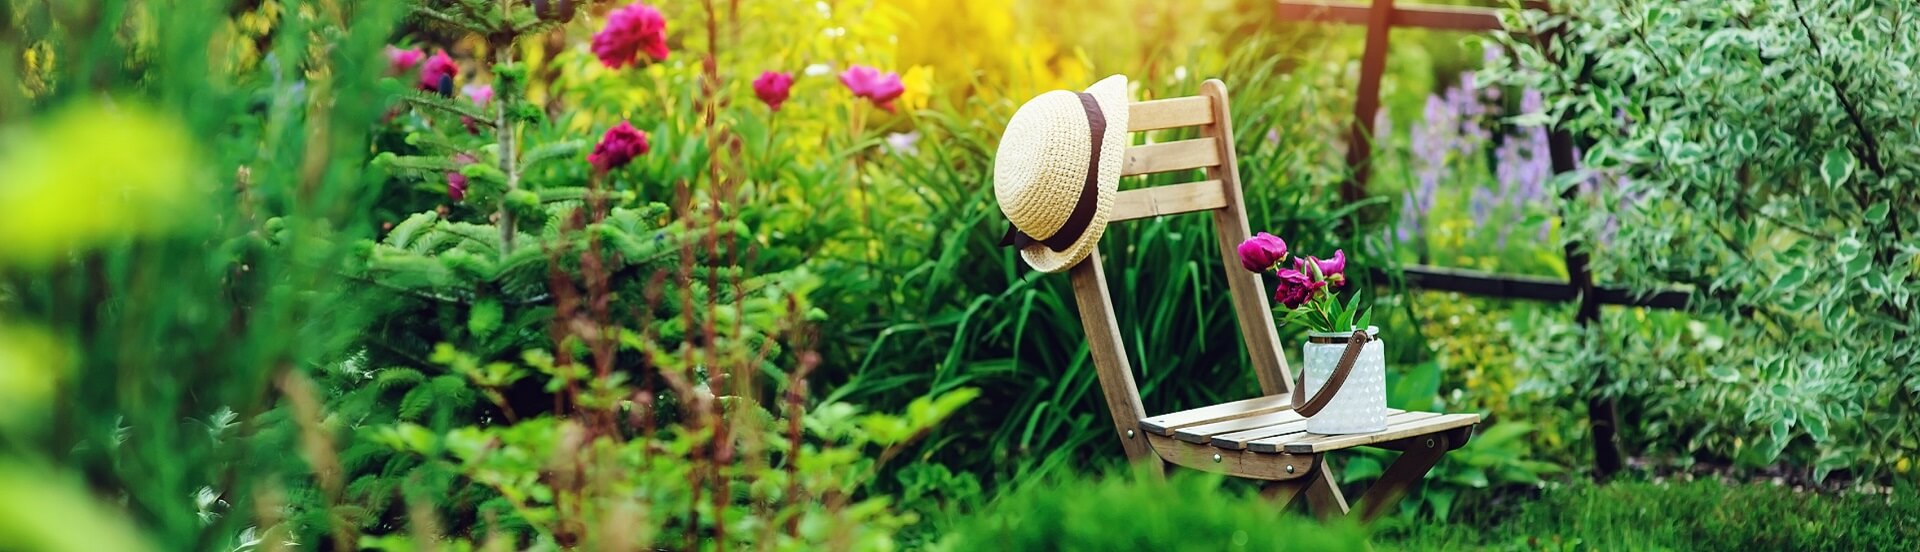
(618,147)
(1296,288)
(1260,252)
(439,68)
(868,82)
(773,88)
(400,61)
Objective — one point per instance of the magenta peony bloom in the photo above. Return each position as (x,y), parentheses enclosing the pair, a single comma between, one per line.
(1296,288)
(438,68)
(618,147)
(1260,252)
(400,61)
(456,182)
(1331,270)
(773,87)
(867,82)
(631,30)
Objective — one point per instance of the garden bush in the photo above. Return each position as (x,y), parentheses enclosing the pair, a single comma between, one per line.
(1760,150)
(1140,511)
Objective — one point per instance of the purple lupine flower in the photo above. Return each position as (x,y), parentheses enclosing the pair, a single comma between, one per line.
(1433,139)
(1409,225)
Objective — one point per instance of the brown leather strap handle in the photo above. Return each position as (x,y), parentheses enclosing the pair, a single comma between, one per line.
(1308,407)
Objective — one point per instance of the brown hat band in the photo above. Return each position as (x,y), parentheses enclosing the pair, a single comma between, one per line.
(1089,202)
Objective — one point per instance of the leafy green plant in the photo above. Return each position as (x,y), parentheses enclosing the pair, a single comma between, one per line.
(1499,457)
(1190,511)
(563,482)
(1759,143)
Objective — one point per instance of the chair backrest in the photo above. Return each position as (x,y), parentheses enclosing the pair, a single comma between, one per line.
(1218,195)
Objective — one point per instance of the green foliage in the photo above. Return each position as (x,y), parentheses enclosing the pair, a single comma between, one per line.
(1676,515)
(1500,457)
(1189,511)
(558,482)
(154,348)
(1762,147)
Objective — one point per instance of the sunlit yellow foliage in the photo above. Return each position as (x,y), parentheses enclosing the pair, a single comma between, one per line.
(31,362)
(38,64)
(93,172)
(60,515)
(977,46)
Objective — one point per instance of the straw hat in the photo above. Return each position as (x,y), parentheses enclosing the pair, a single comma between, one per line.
(1058,169)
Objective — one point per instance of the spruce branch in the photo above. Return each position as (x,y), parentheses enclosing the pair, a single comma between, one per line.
(462,108)
(554,150)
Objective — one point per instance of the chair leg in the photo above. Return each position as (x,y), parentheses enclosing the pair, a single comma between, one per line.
(1323,494)
(1408,469)
(1283,493)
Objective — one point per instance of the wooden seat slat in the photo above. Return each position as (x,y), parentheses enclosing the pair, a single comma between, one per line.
(1170,113)
(1239,440)
(1424,426)
(1164,424)
(1279,443)
(1172,156)
(1171,199)
(1200,434)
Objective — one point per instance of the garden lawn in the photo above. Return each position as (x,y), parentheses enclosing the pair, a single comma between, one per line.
(1694,515)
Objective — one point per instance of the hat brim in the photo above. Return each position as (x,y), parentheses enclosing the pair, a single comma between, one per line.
(1111,94)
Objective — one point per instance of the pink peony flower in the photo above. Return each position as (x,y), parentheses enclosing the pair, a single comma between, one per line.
(479,93)
(1260,252)
(630,31)
(400,61)
(773,87)
(618,147)
(867,82)
(1296,288)
(439,68)
(1331,270)
(456,182)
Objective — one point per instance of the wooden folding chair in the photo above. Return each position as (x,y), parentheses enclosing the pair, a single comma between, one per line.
(1260,438)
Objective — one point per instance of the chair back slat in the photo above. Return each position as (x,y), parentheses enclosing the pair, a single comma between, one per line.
(1171,156)
(1168,200)
(1218,195)
(1170,113)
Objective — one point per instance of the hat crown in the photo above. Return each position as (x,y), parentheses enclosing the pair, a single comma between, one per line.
(1041,165)
(1055,179)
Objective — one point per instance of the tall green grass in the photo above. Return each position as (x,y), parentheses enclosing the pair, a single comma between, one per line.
(1699,515)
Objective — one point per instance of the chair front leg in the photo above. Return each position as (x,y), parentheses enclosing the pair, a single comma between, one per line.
(1419,456)
(1283,493)
(1323,494)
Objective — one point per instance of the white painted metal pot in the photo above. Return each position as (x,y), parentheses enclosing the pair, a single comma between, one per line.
(1359,404)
